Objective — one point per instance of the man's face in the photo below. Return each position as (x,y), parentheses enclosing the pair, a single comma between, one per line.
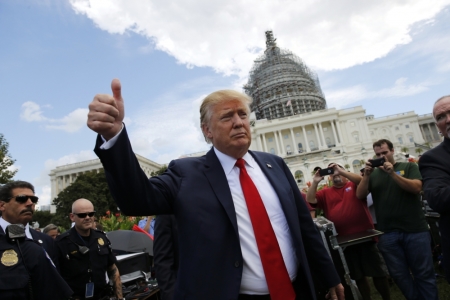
(384,150)
(15,212)
(229,128)
(338,180)
(82,224)
(441,113)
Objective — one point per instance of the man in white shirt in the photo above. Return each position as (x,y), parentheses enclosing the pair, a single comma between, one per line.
(221,201)
(17,204)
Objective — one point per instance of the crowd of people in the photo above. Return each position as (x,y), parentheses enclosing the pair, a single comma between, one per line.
(233,223)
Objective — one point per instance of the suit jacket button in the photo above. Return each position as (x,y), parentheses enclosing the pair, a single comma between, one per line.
(236,264)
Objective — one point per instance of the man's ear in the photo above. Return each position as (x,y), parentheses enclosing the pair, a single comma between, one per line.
(206,131)
(2,205)
(71,216)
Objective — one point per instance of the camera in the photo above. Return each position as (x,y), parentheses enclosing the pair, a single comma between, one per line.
(327,171)
(377,162)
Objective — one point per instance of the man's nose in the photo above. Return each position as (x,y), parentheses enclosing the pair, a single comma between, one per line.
(237,121)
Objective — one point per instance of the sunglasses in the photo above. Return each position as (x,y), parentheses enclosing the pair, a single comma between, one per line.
(24,198)
(83,215)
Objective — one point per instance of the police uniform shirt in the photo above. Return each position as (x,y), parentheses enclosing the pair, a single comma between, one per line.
(74,265)
(46,283)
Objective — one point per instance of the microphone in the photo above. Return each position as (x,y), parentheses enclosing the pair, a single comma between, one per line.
(15,232)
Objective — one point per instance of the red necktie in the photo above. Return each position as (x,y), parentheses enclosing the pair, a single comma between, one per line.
(277,277)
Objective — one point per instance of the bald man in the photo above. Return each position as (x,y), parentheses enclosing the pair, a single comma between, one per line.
(82,249)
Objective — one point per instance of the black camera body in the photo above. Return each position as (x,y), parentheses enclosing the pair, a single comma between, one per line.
(377,162)
(327,171)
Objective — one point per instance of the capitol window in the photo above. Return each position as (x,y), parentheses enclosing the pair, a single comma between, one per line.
(270,139)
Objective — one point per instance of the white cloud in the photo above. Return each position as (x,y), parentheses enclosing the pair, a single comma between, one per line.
(227,35)
(344,97)
(168,131)
(42,183)
(31,112)
(74,121)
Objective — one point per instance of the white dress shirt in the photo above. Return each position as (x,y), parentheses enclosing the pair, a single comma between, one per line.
(253,278)
(4,224)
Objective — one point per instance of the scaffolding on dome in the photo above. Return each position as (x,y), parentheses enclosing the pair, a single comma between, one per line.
(282,85)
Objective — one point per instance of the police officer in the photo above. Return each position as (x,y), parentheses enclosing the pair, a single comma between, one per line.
(28,272)
(17,204)
(84,255)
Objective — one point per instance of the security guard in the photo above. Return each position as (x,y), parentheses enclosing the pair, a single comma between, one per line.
(28,272)
(84,255)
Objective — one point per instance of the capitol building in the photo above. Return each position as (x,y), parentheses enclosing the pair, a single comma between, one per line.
(290,118)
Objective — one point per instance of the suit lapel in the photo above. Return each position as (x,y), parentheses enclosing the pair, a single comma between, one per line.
(219,183)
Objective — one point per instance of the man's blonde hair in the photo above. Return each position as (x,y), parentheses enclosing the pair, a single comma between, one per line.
(217,97)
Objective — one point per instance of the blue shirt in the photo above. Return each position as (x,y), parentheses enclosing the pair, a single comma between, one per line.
(143,222)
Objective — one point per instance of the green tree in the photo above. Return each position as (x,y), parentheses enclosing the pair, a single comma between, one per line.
(5,162)
(405,149)
(42,217)
(419,150)
(91,186)
(159,172)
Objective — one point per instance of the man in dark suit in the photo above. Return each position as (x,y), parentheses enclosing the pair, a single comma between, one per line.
(17,204)
(434,166)
(166,254)
(244,229)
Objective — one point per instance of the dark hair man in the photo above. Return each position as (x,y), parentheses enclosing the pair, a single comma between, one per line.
(405,244)
(28,272)
(85,255)
(17,204)
(435,168)
(351,215)
(244,229)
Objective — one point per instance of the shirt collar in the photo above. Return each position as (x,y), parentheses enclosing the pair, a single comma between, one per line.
(229,162)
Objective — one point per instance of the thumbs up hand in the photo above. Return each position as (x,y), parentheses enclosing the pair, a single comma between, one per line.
(106,112)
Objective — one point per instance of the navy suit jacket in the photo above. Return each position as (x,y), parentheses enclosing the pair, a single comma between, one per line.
(165,254)
(434,166)
(46,242)
(196,191)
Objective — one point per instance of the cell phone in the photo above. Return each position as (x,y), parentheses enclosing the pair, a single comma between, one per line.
(327,171)
(377,162)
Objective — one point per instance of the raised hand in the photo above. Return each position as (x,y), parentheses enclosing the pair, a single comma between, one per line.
(106,112)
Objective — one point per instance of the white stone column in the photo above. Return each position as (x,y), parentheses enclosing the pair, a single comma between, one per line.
(294,145)
(338,143)
(317,136)
(422,131)
(364,130)
(258,139)
(276,141)
(264,143)
(283,150)
(324,143)
(305,140)
(338,127)
(429,130)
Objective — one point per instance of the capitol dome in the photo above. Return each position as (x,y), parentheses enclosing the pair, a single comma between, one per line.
(281,85)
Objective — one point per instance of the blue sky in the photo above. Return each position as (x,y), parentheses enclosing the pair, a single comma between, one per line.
(388,56)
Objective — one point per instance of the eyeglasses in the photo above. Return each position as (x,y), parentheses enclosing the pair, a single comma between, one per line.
(83,215)
(24,198)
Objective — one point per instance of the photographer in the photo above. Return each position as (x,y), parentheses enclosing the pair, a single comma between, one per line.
(405,244)
(350,215)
